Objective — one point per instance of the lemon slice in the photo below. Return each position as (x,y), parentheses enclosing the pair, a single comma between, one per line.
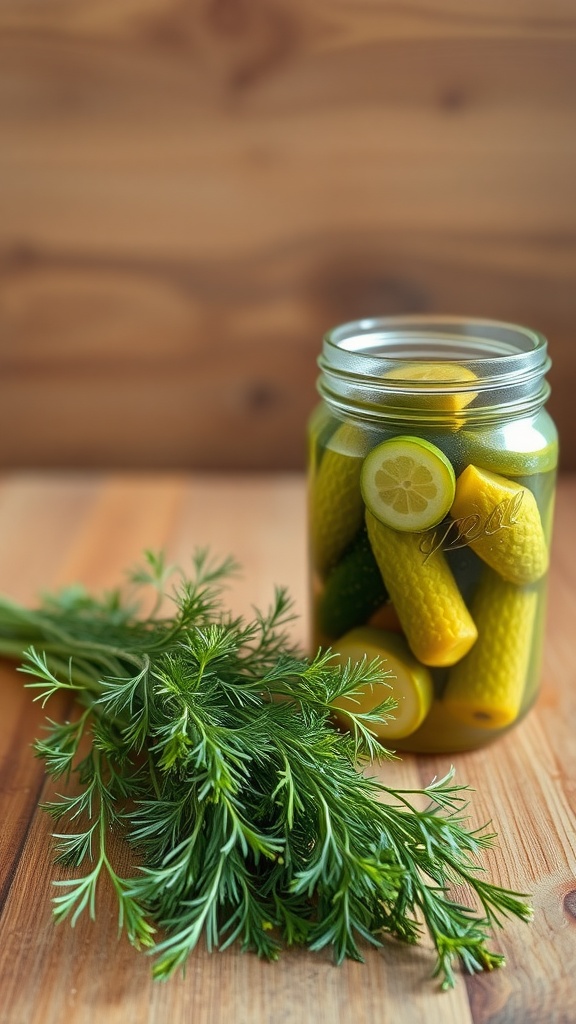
(439,375)
(410,683)
(407,483)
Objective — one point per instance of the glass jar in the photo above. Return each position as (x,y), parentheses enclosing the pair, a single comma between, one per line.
(432,466)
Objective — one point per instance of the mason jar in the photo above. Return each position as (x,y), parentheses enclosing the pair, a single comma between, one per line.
(432,464)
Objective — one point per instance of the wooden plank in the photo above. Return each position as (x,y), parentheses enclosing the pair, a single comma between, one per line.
(180,169)
(192,193)
(232,383)
(33,543)
(356,22)
(43,521)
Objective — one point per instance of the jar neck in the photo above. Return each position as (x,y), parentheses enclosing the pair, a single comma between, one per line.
(434,369)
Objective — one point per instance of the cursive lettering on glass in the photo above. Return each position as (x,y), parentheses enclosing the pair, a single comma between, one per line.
(458,533)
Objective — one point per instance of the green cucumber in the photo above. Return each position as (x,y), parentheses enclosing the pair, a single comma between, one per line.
(353,591)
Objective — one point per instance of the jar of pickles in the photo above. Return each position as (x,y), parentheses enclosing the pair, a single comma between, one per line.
(432,467)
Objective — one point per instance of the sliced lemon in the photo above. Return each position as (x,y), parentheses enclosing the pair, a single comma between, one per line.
(440,376)
(408,484)
(500,521)
(410,683)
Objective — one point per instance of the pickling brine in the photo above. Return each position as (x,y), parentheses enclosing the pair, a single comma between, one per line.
(432,468)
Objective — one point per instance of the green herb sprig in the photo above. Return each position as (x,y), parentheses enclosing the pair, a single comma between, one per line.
(207,742)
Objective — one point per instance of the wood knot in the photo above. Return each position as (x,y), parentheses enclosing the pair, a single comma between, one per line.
(452,100)
(261,397)
(348,288)
(258,37)
(570,904)
(230,17)
(21,256)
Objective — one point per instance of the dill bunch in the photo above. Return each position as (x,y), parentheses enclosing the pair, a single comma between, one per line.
(207,742)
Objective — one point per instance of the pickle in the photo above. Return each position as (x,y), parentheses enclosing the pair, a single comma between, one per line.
(337,509)
(430,607)
(410,684)
(353,592)
(517,449)
(500,521)
(486,688)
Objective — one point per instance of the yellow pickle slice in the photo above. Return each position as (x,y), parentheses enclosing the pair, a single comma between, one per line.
(410,684)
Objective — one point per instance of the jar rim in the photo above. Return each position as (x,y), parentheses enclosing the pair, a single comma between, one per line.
(465,338)
(364,360)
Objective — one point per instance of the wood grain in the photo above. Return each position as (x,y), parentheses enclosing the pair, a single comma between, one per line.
(89,528)
(193,191)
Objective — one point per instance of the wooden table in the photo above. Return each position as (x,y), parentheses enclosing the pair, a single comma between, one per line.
(55,529)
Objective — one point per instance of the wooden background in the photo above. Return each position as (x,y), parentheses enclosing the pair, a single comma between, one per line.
(192,191)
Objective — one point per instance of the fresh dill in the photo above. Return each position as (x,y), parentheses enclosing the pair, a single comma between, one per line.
(207,742)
